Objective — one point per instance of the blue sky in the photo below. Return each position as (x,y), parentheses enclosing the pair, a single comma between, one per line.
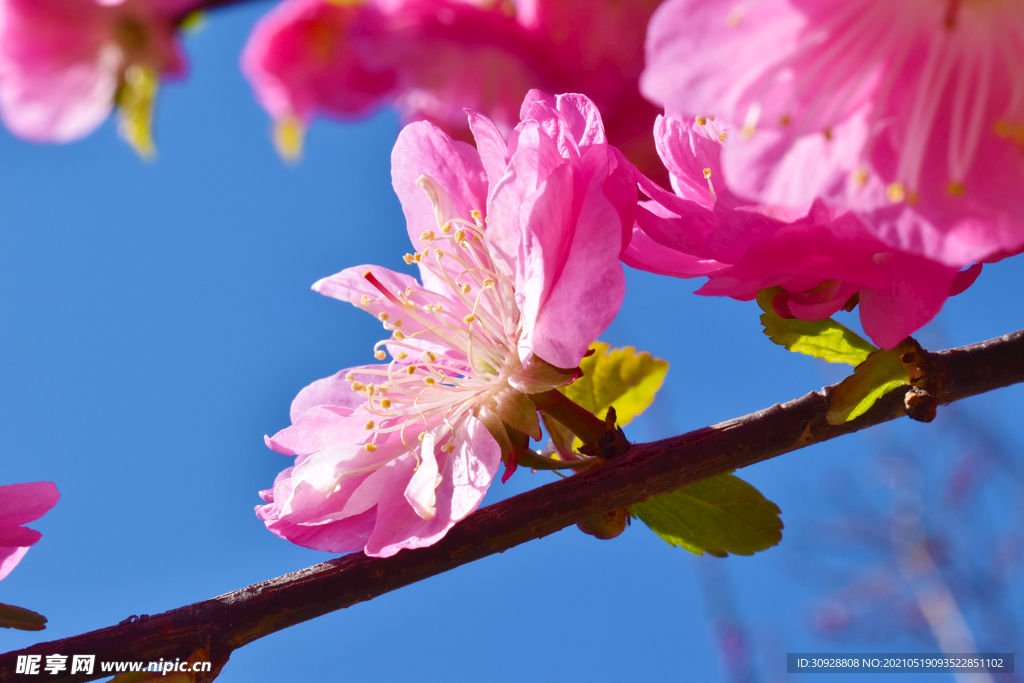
(158,320)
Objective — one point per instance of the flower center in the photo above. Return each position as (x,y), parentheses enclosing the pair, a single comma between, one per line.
(460,349)
(864,50)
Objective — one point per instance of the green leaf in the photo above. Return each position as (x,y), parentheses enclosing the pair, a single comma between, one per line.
(874,378)
(21,618)
(720,515)
(135,98)
(825,339)
(620,377)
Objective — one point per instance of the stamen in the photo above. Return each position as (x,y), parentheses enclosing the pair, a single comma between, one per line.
(369,425)
(379,354)
(383,317)
(370,447)
(358,386)
(397,334)
(895,193)
(385,403)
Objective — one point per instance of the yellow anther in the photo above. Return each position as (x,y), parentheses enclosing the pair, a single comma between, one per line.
(382,317)
(370,447)
(488,283)
(370,389)
(895,192)
(436,308)
(475,213)
(747,132)
(460,236)
(427,236)
(721,136)
(446,228)
(956,189)
(368,425)
(429,381)
(385,403)
(408,304)
(365,300)
(449,448)
(398,323)
(402,355)
(469,318)
(466,289)
(379,354)
(397,334)
(439,254)
(701,121)
(358,386)
(350,377)
(408,259)
(860,177)
(785,120)
(417,257)
(827,133)
(408,291)
(422,434)
(707,173)
(431,356)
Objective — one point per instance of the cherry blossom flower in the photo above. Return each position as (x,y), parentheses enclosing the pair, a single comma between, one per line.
(64,64)
(518,249)
(431,59)
(824,259)
(910,113)
(21,504)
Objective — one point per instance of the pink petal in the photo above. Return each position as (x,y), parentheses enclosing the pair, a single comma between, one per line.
(23,503)
(335,390)
(319,427)
(466,475)
(9,558)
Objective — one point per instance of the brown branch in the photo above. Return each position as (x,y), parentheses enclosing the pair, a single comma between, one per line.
(214,628)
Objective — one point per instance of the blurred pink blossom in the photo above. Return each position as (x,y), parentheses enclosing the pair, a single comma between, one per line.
(821,257)
(62,62)
(431,59)
(21,504)
(910,113)
(518,254)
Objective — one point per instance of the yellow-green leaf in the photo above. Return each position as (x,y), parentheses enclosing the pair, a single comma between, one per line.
(135,100)
(620,377)
(21,618)
(825,339)
(718,516)
(875,377)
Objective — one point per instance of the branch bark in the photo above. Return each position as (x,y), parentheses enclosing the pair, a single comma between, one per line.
(212,629)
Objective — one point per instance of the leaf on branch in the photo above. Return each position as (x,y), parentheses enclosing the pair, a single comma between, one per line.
(874,378)
(718,516)
(135,98)
(825,339)
(21,618)
(620,377)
